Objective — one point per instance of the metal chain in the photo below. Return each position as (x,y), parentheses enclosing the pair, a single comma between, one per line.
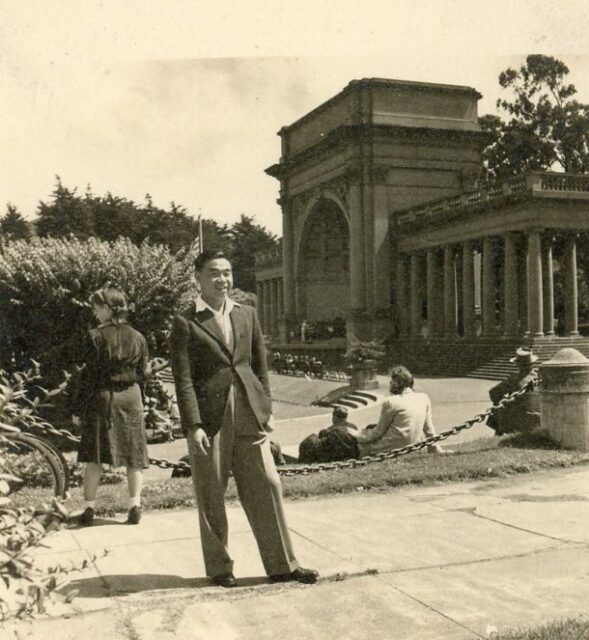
(352,463)
(411,448)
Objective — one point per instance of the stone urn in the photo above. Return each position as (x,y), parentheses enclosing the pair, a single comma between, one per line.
(364,375)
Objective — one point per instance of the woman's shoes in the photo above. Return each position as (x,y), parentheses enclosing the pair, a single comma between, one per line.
(134,516)
(85,518)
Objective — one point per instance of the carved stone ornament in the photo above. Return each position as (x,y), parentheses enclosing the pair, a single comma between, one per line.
(338,186)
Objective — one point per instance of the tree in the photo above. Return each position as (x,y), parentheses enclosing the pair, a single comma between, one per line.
(247,239)
(546,126)
(66,214)
(13,226)
(111,217)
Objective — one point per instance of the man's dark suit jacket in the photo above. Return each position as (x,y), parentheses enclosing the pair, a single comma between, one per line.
(204,367)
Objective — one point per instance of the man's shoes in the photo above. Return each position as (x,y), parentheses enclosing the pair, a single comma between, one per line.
(306,576)
(134,515)
(226,580)
(85,518)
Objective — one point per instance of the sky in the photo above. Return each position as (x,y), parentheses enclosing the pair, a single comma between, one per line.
(183,100)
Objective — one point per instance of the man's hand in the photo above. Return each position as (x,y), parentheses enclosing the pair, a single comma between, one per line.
(76,421)
(201,440)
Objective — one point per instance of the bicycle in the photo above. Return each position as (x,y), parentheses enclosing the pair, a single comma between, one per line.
(36,466)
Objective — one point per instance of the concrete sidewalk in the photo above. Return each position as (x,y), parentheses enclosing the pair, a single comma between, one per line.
(453,561)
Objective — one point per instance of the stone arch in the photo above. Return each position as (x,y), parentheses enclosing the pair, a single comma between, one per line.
(322,260)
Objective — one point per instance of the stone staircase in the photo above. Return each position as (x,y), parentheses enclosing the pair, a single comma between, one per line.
(346,397)
(481,358)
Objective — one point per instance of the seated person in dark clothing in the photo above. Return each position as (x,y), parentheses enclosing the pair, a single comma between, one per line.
(333,443)
(405,418)
(523,413)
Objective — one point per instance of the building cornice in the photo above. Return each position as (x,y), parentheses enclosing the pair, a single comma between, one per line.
(371,133)
(391,84)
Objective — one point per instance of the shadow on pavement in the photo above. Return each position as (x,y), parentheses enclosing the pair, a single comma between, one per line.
(118,585)
(98,522)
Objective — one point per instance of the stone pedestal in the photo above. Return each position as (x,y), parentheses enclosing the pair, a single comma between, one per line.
(564,399)
(364,375)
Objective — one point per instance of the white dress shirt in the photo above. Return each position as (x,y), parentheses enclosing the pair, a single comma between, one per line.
(221,316)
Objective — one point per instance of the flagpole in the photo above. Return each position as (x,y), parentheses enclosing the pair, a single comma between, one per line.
(202,244)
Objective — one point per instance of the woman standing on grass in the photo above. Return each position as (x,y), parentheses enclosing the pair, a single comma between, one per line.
(109,402)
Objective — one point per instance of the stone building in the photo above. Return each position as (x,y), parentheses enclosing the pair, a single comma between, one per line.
(384,224)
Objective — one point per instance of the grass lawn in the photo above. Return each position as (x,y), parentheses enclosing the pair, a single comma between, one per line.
(571,629)
(482,459)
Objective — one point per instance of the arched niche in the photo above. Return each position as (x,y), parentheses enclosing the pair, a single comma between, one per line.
(323,254)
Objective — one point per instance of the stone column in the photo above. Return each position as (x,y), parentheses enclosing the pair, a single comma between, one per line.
(273,307)
(522,284)
(449,292)
(432,310)
(368,224)
(548,286)
(511,327)
(570,287)
(357,264)
(401,302)
(381,242)
(416,317)
(535,304)
(260,303)
(288,262)
(459,290)
(268,306)
(488,293)
(281,297)
(468,289)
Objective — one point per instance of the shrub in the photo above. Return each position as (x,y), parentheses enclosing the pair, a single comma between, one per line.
(45,285)
(24,586)
(360,352)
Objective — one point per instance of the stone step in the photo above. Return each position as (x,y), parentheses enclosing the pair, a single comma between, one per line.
(478,358)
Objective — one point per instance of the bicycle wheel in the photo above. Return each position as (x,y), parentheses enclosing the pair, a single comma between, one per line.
(39,466)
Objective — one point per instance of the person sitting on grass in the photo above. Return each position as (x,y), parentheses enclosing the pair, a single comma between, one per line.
(523,413)
(332,443)
(405,418)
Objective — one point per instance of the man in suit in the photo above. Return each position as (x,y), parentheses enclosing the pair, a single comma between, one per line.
(221,376)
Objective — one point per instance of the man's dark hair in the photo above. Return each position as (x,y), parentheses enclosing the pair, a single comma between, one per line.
(206,256)
(401,378)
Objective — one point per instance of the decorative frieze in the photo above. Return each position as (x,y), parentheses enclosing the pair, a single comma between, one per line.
(339,187)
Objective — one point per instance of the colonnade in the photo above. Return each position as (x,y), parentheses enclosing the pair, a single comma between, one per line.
(435,287)
(270,304)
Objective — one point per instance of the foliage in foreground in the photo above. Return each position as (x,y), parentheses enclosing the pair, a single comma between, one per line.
(24,584)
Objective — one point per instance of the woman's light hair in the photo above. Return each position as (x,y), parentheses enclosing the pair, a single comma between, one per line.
(115,300)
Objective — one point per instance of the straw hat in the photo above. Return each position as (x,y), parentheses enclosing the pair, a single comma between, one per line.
(524,355)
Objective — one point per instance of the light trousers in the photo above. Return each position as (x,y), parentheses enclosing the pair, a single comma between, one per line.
(243,449)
